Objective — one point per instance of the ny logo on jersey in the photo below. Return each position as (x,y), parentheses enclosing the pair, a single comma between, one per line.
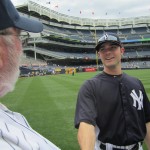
(137,99)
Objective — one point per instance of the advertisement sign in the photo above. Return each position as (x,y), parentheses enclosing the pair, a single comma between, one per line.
(89,69)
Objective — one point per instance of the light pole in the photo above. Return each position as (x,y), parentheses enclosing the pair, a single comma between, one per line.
(96,54)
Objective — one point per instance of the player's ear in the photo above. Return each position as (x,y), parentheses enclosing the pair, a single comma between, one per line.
(122,50)
(98,54)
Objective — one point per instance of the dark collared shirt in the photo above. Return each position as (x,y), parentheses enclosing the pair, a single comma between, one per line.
(118,105)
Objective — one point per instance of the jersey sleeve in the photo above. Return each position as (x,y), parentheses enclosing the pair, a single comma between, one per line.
(86,105)
(146,104)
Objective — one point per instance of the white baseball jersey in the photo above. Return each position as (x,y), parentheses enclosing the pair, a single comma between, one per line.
(16,133)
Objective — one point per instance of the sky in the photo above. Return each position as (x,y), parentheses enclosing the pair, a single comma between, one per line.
(96,9)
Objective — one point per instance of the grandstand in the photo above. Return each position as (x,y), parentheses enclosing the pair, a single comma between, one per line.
(68,40)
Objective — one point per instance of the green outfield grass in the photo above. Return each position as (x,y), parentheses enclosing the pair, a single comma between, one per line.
(49,102)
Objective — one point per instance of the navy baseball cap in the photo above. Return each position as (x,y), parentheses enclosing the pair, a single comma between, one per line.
(108,37)
(10,17)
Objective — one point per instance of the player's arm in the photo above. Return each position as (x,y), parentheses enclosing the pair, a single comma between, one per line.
(86,136)
(147,138)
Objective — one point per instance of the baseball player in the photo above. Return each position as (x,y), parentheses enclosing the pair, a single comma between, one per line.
(113,110)
(15,131)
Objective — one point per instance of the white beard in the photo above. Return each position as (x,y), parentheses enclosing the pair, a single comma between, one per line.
(8,85)
(10,70)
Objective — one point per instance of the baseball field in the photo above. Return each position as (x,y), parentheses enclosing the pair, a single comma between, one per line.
(48,103)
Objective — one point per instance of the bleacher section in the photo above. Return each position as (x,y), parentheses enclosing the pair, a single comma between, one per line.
(29,61)
(136,64)
(66,37)
(89,36)
(82,55)
(137,53)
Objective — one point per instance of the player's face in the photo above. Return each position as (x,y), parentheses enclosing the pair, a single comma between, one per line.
(110,55)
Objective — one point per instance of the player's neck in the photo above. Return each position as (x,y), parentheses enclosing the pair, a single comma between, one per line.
(115,71)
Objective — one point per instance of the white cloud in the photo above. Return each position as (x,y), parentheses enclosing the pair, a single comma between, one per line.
(101,8)
(18,2)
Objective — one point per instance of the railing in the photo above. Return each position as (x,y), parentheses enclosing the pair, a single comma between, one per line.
(32,6)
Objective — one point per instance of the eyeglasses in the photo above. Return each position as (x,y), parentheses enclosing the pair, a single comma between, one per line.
(111,48)
(22,38)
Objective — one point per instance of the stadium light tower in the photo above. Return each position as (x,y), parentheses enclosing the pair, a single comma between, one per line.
(96,41)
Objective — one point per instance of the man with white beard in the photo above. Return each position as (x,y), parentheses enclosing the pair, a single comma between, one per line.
(15,132)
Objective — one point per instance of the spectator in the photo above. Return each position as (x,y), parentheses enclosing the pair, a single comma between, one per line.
(15,131)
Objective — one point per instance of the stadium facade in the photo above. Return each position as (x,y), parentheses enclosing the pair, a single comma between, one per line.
(68,40)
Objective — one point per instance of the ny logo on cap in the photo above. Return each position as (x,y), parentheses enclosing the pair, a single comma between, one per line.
(105,36)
